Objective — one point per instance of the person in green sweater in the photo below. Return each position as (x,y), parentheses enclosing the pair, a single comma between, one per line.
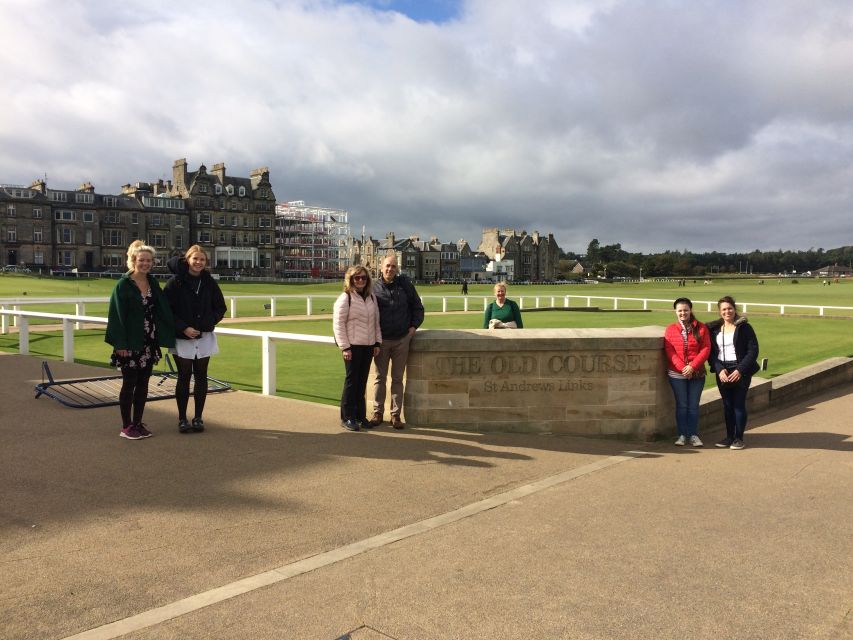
(139,323)
(502,313)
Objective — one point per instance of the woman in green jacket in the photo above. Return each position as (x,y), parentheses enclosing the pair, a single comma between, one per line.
(139,323)
(502,313)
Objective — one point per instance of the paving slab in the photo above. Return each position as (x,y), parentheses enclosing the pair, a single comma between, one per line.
(553,537)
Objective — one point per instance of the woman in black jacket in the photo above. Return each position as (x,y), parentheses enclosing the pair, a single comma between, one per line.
(734,358)
(198,306)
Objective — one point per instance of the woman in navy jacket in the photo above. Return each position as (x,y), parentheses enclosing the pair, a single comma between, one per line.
(198,306)
(734,358)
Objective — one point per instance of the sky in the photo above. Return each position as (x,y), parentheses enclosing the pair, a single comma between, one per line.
(703,125)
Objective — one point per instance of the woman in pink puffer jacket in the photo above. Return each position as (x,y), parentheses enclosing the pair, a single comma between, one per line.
(355,321)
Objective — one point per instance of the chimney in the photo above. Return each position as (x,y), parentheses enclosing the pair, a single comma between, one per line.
(219,171)
(179,174)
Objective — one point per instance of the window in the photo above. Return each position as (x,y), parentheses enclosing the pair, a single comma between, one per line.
(64,235)
(217,188)
(264,222)
(134,218)
(235,206)
(10,210)
(265,238)
(57,196)
(65,258)
(221,237)
(37,234)
(84,198)
(157,240)
(222,203)
(110,201)
(242,192)
(38,257)
(203,218)
(202,187)
(262,193)
(88,216)
(37,212)
(233,221)
(156,220)
(113,238)
(62,215)
(245,205)
(11,234)
(88,236)
(229,189)
(204,237)
(112,217)
(179,239)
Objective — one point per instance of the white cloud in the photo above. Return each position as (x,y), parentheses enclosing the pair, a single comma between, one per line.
(617,120)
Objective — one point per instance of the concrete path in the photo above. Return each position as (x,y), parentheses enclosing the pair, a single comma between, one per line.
(276,523)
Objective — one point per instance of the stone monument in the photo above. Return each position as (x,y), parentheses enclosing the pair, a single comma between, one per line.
(589,382)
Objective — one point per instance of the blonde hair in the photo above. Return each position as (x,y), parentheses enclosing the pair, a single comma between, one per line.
(197,249)
(136,247)
(499,285)
(354,271)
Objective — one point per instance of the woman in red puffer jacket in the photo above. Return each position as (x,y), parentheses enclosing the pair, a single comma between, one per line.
(687,345)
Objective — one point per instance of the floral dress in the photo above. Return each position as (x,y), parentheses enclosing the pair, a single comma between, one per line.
(150,353)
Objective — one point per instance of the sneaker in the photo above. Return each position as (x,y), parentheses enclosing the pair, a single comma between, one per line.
(376,419)
(737,444)
(131,433)
(143,430)
(725,443)
(198,425)
(350,425)
(681,441)
(365,424)
(184,426)
(695,441)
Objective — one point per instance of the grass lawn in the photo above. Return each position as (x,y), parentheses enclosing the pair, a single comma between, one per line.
(315,373)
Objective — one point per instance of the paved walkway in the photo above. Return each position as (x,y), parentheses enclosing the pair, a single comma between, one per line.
(276,523)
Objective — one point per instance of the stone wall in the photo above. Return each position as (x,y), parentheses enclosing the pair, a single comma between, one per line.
(599,382)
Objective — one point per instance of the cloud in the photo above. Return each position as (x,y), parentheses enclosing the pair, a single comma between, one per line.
(704,125)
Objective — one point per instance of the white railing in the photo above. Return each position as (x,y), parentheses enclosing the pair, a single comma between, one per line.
(267,338)
(271,305)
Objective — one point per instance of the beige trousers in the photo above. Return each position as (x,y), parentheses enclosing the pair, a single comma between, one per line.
(394,353)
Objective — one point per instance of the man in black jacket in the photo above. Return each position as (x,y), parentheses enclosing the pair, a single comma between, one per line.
(400,314)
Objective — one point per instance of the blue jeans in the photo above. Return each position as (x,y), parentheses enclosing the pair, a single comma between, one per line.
(734,406)
(687,393)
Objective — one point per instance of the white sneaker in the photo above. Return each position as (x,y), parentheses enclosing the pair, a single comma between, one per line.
(681,441)
(695,441)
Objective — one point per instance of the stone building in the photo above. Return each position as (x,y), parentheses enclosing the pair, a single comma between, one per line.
(232,217)
(535,258)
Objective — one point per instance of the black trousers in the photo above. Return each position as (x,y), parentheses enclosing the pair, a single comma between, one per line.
(133,394)
(353,406)
(197,370)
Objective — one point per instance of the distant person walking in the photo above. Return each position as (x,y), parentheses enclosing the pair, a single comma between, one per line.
(198,305)
(734,358)
(139,322)
(464,287)
(687,346)
(502,313)
(401,312)
(355,321)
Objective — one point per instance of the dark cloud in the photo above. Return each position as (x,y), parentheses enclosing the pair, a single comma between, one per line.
(703,125)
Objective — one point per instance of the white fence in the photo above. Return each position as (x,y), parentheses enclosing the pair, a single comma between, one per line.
(468,303)
(268,339)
